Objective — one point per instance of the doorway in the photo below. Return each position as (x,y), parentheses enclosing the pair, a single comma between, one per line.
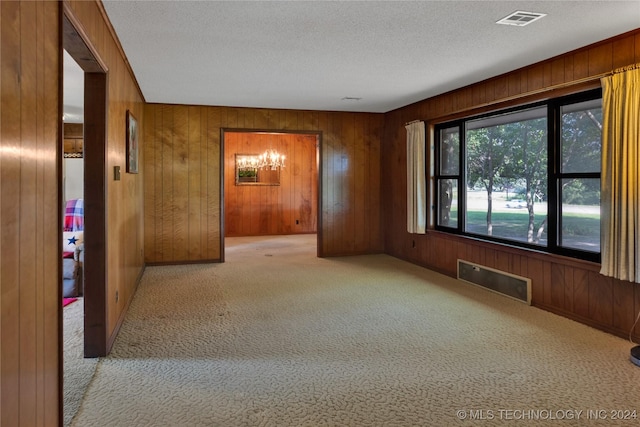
(77,370)
(89,111)
(273,200)
(94,152)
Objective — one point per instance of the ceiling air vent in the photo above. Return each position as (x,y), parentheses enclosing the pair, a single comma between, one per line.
(520,18)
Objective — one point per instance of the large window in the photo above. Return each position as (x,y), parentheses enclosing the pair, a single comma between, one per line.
(528,176)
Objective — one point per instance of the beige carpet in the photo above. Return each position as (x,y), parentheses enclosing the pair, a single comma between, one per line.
(278,337)
(77,370)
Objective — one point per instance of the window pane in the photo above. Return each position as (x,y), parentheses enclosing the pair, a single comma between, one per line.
(506,176)
(448,203)
(450,151)
(580,214)
(581,135)
(509,219)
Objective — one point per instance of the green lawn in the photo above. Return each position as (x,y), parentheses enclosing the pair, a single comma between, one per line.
(581,224)
(579,230)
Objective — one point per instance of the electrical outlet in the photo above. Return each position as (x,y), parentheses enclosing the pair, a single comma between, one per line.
(297,222)
(117,296)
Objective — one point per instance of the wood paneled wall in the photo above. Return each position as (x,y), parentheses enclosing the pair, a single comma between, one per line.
(124,198)
(183,166)
(30,162)
(565,286)
(31,205)
(182,184)
(288,208)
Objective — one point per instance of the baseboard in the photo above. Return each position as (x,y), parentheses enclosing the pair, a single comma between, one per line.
(116,330)
(589,322)
(199,261)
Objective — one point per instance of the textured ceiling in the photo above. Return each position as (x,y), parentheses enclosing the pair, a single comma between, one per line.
(311,55)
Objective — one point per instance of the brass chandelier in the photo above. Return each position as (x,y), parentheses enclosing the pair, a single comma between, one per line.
(270,159)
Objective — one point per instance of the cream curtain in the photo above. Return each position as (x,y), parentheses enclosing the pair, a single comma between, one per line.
(620,240)
(416,178)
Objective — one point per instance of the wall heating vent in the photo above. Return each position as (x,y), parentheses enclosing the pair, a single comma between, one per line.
(513,286)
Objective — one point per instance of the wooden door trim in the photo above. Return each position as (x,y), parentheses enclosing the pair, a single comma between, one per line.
(318,135)
(95,208)
(78,45)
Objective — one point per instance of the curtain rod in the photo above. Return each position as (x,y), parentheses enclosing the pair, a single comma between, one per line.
(623,69)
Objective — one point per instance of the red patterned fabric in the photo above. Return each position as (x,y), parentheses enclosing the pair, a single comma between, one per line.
(74,215)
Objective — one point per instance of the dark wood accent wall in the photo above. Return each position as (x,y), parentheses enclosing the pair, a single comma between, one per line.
(183,177)
(73,136)
(561,285)
(123,199)
(30,168)
(288,208)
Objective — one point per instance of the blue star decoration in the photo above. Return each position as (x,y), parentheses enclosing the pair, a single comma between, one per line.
(73,240)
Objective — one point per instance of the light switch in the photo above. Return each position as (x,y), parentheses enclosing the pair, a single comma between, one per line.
(116,173)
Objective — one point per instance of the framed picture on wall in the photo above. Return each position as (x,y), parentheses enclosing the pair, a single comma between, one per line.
(132,143)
